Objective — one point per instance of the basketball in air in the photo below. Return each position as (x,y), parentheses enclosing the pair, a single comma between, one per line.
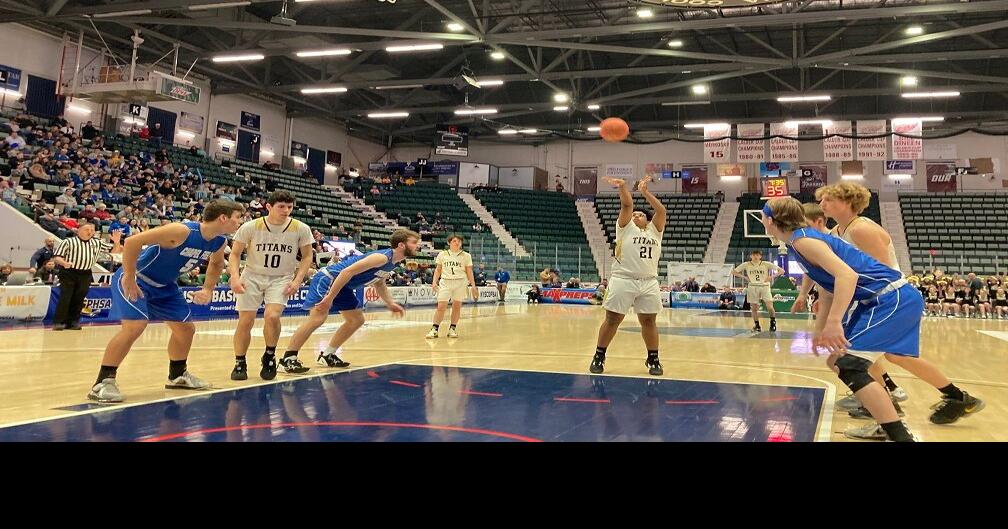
(614,130)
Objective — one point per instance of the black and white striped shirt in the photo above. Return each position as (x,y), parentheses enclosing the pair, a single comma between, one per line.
(81,254)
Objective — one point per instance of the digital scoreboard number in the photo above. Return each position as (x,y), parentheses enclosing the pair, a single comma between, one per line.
(775,187)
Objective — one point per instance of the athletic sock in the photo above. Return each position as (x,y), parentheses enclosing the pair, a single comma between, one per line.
(889,384)
(897,431)
(106,372)
(952,392)
(176,368)
(600,351)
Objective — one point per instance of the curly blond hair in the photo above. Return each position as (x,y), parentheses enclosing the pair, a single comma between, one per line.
(856,195)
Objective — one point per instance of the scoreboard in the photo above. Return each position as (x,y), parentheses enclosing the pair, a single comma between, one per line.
(775,186)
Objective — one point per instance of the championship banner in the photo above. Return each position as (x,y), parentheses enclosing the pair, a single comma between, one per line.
(750,151)
(191,122)
(781,149)
(694,179)
(941,176)
(585,181)
(811,177)
(227,131)
(904,148)
(837,148)
(717,142)
(871,148)
(250,121)
(452,140)
(24,303)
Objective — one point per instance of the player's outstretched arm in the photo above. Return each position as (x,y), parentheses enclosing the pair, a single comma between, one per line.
(625,199)
(660,212)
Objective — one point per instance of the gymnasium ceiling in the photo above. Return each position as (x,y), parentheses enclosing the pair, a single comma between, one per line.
(596,52)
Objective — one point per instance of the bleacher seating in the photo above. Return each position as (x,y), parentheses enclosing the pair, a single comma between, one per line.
(962,228)
(430,198)
(687,229)
(547,225)
(740,245)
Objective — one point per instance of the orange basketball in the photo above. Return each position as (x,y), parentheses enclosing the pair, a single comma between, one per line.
(614,130)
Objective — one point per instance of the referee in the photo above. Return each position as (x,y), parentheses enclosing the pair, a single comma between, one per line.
(77,255)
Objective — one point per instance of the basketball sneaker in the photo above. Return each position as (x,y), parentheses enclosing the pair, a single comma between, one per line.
(850,402)
(240,371)
(862,413)
(330,360)
(105,391)
(948,411)
(452,333)
(773,325)
(269,367)
(654,367)
(756,329)
(187,381)
(597,364)
(869,432)
(899,395)
(433,333)
(292,366)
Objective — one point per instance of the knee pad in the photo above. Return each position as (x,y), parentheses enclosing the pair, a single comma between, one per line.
(854,372)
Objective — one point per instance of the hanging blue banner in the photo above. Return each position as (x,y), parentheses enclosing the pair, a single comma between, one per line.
(10,78)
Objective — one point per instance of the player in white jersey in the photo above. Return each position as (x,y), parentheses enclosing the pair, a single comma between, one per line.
(273,271)
(454,272)
(634,279)
(758,275)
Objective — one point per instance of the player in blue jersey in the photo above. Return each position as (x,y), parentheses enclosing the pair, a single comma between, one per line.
(334,286)
(145,289)
(870,309)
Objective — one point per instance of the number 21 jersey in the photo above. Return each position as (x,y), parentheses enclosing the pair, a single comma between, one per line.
(637,251)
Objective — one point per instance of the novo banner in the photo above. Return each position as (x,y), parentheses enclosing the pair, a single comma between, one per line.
(750,151)
(838,148)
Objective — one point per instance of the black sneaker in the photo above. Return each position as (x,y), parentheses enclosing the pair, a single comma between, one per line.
(292,366)
(949,410)
(654,367)
(756,329)
(598,364)
(269,367)
(773,325)
(862,412)
(240,371)
(330,360)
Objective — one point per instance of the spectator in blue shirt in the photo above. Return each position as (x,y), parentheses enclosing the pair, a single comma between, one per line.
(120,224)
(502,278)
(727,300)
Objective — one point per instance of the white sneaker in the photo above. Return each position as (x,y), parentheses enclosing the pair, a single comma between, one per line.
(899,395)
(188,381)
(870,432)
(105,391)
(452,333)
(432,334)
(849,402)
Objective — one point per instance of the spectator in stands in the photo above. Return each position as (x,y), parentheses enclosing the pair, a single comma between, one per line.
(88,214)
(727,299)
(974,284)
(157,135)
(49,223)
(707,287)
(691,285)
(600,292)
(5,272)
(67,198)
(68,223)
(545,277)
(7,193)
(190,278)
(374,191)
(43,254)
(15,141)
(47,274)
(574,282)
(559,185)
(120,224)
(677,286)
(409,181)
(256,206)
